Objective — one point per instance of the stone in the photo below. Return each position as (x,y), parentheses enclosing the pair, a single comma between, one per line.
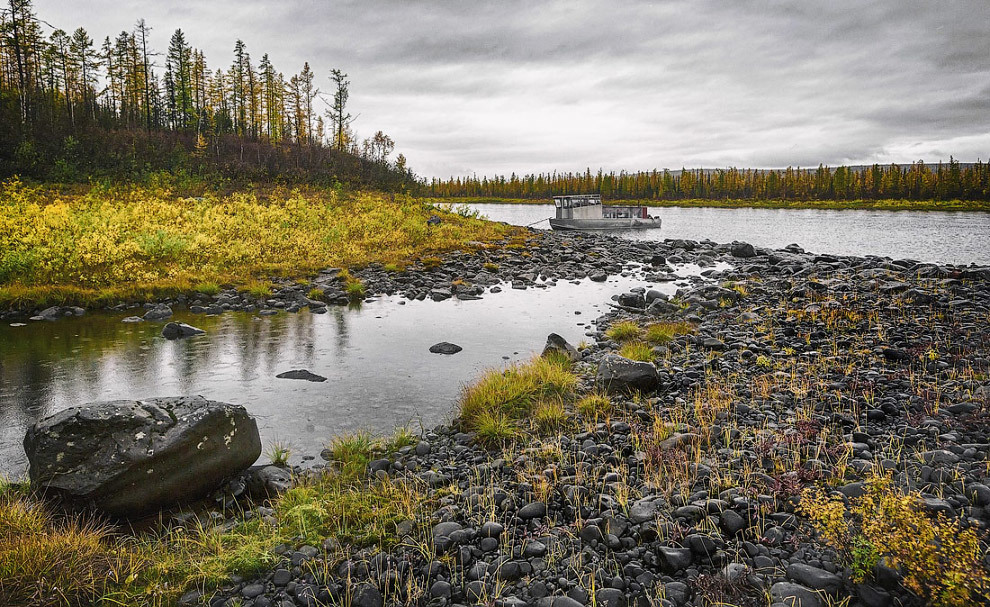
(644,510)
(598,276)
(618,374)
(814,578)
(674,559)
(445,347)
(176,330)
(269,481)
(131,457)
(132,319)
(794,594)
(159,312)
(533,510)
(366,595)
(303,374)
(558,345)
(742,250)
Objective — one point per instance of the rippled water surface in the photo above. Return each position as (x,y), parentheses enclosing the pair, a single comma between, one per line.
(933,236)
(376,358)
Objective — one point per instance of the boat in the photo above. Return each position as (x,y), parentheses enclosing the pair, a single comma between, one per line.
(586,212)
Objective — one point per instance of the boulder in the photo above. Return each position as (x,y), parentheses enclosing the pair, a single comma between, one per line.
(268,481)
(619,374)
(176,330)
(742,250)
(558,345)
(131,457)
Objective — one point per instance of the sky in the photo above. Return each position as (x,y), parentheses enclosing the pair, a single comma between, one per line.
(495,87)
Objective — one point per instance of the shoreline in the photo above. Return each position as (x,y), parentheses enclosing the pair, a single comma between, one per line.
(800,371)
(831,205)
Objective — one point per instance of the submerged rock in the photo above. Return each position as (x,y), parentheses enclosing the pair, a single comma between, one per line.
(130,457)
(301,374)
(159,312)
(445,347)
(176,330)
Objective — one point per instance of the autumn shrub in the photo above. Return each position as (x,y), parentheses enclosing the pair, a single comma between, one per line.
(939,558)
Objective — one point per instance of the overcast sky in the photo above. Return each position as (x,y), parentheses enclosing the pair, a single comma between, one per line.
(497,86)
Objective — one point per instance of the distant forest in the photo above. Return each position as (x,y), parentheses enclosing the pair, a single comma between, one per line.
(72,108)
(916,181)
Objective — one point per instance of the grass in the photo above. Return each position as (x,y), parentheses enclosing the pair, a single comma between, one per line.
(278,453)
(637,350)
(625,330)
(663,332)
(104,245)
(48,558)
(258,289)
(594,406)
(496,406)
(877,205)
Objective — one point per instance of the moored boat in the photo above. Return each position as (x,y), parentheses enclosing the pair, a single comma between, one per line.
(586,212)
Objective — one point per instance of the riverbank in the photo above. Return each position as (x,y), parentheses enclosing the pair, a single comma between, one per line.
(787,377)
(838,205)
(110,245)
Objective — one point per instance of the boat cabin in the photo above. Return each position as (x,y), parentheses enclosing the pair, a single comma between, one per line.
(584,206)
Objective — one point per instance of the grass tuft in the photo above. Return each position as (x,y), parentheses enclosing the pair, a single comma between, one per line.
(625,330)
(637,350)
(663,332)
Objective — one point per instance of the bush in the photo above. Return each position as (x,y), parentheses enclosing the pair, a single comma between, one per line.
(939,559)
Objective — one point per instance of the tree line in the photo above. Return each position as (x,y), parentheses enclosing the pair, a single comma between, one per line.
(60,92)
(916,181)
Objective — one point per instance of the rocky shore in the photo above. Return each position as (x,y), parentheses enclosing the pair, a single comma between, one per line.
(800,371)
(795,383)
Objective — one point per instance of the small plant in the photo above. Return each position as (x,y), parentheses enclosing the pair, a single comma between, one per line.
(278,453)
(549,415)
(663,332)
(402,437)
(316,294)
(490,267)
(594,405)
(494,427)
(625,330)
(353,452)
(637,350)
(207,288)
(258,289)
(393,267)
(764,362)
(939,559)
(353,287)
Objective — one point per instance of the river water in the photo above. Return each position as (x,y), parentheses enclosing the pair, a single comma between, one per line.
(376,357)
(932,236)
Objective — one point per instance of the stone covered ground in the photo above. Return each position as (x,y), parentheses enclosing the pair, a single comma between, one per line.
(798,371)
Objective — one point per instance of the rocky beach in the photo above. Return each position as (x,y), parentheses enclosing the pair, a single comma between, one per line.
(789,428)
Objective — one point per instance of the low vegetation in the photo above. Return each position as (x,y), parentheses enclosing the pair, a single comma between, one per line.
(110,244)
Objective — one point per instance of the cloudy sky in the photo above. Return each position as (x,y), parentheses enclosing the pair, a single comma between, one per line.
(495,86)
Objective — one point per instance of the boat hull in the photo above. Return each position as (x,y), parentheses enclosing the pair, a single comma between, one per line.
(605,224)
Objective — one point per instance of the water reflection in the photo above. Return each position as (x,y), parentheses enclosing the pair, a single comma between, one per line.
(376,358)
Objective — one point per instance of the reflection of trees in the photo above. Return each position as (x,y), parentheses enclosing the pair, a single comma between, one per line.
(46,366)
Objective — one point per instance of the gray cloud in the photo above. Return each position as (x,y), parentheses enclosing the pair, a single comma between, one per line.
(503,86)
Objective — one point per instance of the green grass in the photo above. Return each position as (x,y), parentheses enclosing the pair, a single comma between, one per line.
(663,332)
(496,406)
(625,330)
(316,294)
(258,289)
(594,406)
(637,350)
(207,288)
(278,453)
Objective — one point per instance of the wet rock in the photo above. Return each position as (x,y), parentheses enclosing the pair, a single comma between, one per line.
(132,457)
(302,374)
(794,594)
(160,312)
(445,347)
(532,510)
(743,250)
(814,578)
(269,481)
(178,330)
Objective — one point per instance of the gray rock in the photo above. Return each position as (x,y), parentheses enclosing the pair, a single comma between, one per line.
(558,345)
(269,481)
(558,601)
(618,374)
(301,374)
(176,330)
(445,347)
(814,578)
(131,319)
(742,250)
(598,276)
(644,510)
(131,457)
(160,312)
(794,594)
(532,510)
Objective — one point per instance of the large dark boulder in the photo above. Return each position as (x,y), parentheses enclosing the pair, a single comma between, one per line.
(619,374)
(131,457)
